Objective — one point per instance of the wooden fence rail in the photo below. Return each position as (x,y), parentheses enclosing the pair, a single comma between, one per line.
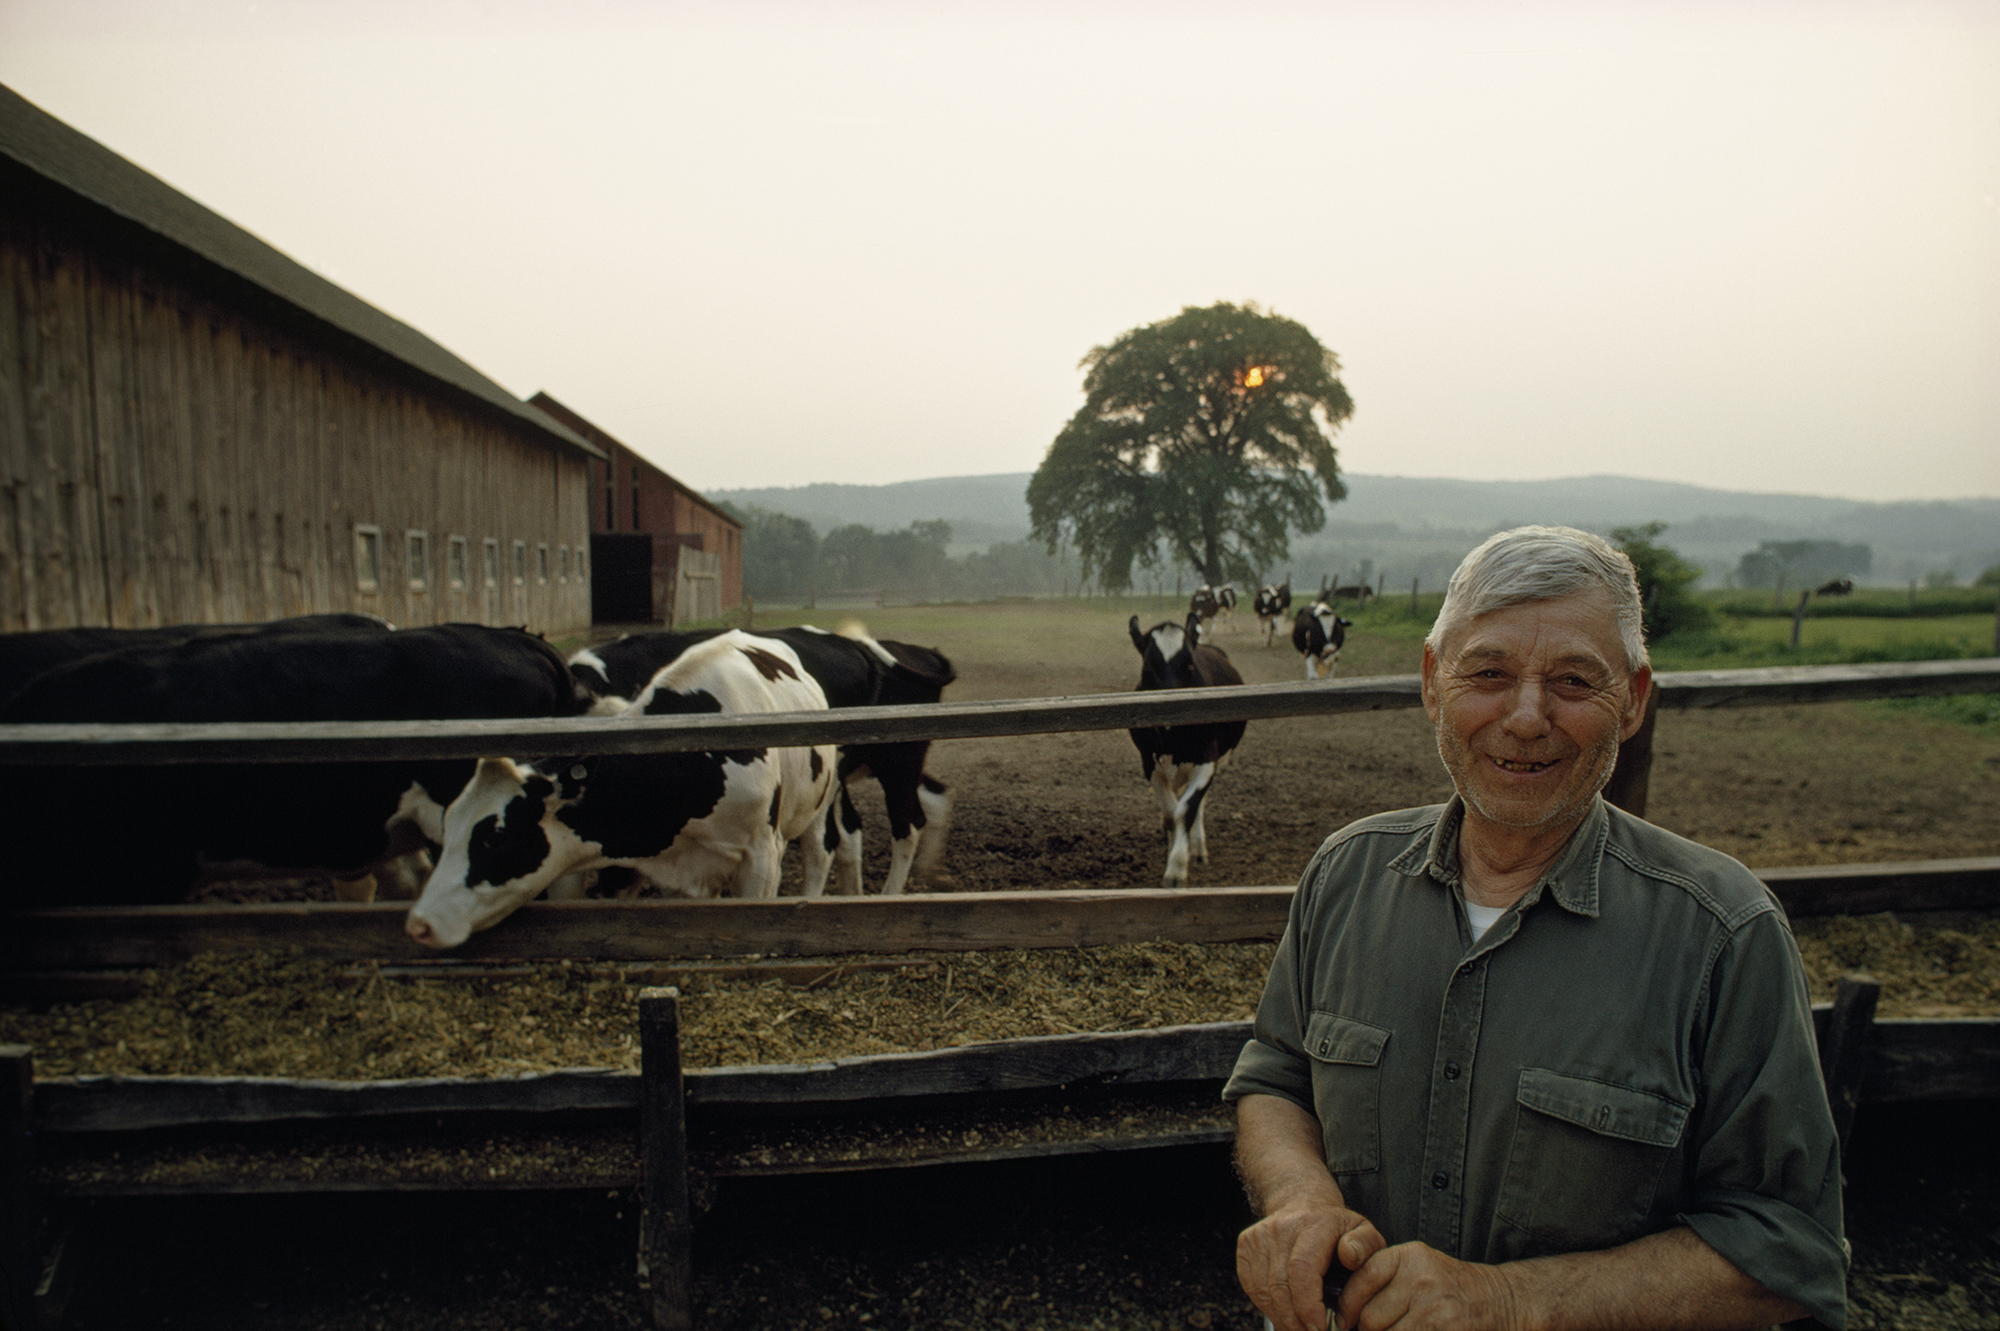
(353,741)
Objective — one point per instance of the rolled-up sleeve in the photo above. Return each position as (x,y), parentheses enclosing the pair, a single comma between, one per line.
(1273,1061)
(1766,1192)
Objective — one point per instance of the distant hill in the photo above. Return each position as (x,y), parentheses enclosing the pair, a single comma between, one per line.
(1412,527)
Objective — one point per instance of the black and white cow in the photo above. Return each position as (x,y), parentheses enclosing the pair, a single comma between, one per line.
(1319,634)
(1273,605)
(854,670)
(1181,761)
(138,835)
(26,655)
(692,824)
(1203,607)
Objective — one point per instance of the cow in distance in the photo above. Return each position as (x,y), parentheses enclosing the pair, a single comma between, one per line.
(1181,762)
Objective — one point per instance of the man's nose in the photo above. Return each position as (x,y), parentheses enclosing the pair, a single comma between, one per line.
(1528,710)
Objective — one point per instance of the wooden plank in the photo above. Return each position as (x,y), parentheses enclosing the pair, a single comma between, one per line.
(1125,1058)
(125,1104)
(94,937)
(346,741)
(1933,1059)
(806,1163)
(666,1221)
(1203,1052)
(75,937)
(1863,889)
(20,1213)
(1843,1048)
(1770,686)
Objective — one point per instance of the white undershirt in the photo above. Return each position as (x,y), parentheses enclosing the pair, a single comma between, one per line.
(1482,918)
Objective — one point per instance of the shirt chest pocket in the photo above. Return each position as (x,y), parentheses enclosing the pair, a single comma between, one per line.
(1347,1089)
(1586,1161)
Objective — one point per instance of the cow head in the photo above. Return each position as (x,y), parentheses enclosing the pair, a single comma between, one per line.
(1167,653)
(503,845)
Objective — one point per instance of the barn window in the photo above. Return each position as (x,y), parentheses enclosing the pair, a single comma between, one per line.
(562,563)
(492,562)
(368,558)
(455,563)
(418,545)
(542,564)
(520,563)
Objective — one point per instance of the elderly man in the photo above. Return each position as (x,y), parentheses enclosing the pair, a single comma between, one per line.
(1524,1060)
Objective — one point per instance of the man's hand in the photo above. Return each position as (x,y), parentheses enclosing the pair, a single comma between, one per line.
(1281,1260)
(1414,1287)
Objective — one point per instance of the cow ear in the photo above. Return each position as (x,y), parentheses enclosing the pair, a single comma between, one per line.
(1138,638)
(1193,631)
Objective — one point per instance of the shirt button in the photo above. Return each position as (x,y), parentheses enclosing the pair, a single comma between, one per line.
(1451,1072)
(1323,1044)
(1440,1180)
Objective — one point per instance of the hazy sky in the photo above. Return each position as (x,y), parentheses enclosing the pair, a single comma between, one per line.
(1751,246)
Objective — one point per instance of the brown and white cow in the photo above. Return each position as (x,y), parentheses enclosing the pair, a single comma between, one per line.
(693,824)
(1181,762)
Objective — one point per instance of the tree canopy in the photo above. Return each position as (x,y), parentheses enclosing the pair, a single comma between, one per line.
(1666,582)
(1206,438)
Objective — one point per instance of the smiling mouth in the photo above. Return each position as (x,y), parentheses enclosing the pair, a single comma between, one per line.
(1526,769)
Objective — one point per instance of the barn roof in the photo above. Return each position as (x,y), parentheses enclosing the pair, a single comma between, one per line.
(605,440)
(85,168)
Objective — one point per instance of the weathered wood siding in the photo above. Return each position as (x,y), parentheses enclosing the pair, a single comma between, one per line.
(169,456)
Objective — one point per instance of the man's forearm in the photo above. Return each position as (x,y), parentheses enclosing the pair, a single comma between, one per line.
(1279,1155)
(1662,1282)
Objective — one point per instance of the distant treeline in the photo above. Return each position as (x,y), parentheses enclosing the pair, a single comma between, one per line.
(785,558)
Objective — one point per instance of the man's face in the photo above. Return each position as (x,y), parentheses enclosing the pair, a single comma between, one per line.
(1530,704)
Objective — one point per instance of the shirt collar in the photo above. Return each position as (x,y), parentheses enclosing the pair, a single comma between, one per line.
(1573,882)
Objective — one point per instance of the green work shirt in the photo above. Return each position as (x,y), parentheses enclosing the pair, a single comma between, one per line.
(1628,1049)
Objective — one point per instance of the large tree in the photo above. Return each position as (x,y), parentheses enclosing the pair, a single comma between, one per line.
(1206,439)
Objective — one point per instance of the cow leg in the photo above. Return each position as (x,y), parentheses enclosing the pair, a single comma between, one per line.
(839,831)
(1167,792)
(1187,814)
(762,865)
(815,859)
(934,820)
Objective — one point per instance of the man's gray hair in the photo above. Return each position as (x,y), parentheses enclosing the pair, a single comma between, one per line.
(1540,564)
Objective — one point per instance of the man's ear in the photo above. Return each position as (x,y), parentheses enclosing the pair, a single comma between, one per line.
(1635,703)
(1430,684)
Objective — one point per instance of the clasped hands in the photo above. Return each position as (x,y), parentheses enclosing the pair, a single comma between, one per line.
(1284,1261)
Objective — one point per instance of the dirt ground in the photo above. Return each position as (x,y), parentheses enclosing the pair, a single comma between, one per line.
(1821,784)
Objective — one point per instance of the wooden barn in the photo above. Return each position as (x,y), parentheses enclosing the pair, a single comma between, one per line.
(194,428)
(661,552)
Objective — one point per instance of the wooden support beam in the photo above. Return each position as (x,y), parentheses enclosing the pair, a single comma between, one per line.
(20,1209)
(1844,1048)
(82,937)
(1633,776)
(666,1227)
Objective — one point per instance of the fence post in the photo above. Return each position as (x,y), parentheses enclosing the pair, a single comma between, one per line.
(20,1217)
(666,1226)
(1996,622)
(1632,777)
(1843,1055)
